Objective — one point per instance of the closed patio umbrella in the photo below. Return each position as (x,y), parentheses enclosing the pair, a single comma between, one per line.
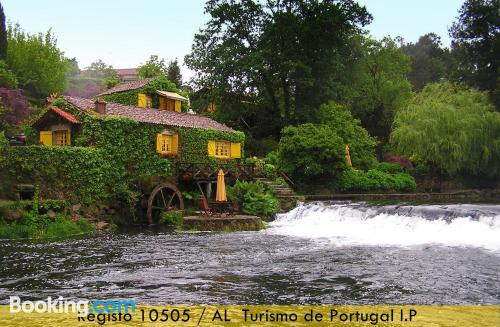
(348,161)
(220,196)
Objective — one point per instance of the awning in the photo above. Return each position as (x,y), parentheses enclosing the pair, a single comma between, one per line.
(171,95)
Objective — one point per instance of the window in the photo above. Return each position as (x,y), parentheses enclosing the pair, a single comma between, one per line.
(224,149)
(167,143)
(61,137)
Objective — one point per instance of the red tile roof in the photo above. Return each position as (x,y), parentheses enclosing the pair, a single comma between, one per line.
(151,116)
(65,115)
(127,86)
(127,71)
(61,113)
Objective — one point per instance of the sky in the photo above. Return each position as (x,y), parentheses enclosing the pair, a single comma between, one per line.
(124,33)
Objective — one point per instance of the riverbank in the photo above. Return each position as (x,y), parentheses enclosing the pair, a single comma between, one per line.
(29,219)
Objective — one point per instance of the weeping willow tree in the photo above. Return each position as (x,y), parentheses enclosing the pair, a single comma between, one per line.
(452,129)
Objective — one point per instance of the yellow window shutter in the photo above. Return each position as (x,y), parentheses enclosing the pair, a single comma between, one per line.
(46,137)
(235,150)
(175,143)
(68,136)
(211,148)
(163,103)
(141,100)
(177,106)
(158,143)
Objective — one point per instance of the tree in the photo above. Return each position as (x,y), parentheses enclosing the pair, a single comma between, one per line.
(378,86)
(340,120)
(14,109)
(174,73)
(3,35)
(452,129)
(311,152)
(91,81)
(154,67)
(277,55)
(476,44)
(39,65)
(429,61)
(100,70)
(7,78)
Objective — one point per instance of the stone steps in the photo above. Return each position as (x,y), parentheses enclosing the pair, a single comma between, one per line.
(285,194)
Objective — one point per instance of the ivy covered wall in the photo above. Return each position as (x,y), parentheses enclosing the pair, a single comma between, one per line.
(109,159)
(80,175)
(130,97)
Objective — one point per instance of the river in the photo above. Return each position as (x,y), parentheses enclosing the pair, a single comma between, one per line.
(319,253)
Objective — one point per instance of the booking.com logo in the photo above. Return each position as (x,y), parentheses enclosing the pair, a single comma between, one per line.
(82,308)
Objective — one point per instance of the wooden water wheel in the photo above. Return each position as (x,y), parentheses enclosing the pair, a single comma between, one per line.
(164,197)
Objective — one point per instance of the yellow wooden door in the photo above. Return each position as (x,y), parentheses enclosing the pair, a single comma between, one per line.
(177,106)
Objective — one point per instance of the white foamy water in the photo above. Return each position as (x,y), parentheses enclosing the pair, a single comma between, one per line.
(354,224)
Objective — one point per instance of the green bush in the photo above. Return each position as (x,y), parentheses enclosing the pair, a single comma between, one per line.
(272,158)
(269,171)
(34,225)
(174,218)
(375,180)
(253,198)
(361,145)
(389,167)
(311,152)
(405,182)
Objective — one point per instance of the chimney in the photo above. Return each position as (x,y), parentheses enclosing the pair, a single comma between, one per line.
(100,106)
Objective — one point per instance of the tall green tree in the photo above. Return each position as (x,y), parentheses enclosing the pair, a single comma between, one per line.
(154,67)
(430,62)
(103,73)
(3,35)
(277,55)
(40,66)
(378,86)
(174,73)
(452,129)
(476,44)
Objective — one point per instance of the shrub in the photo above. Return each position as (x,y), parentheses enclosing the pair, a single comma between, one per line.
(253,198)
(34,225)
(173,218)
(405,182)
(361,145)
(375,180)
(388,167)
(272,158)
(311,152)
(269,171)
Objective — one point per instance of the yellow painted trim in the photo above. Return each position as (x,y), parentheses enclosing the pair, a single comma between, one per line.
(211,148)
(235,150)
(46,137)
(141,100)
